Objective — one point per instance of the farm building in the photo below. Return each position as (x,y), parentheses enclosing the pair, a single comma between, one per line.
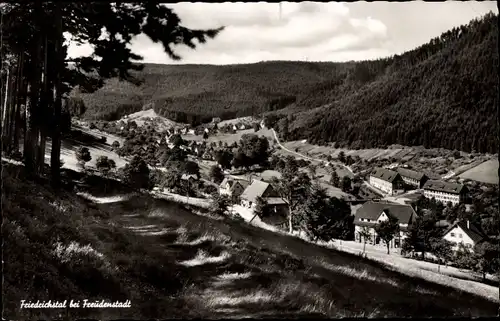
(277,207)
(232,187)
(464,232)
(445,192)
(412,178)
(373,213)
(387,181)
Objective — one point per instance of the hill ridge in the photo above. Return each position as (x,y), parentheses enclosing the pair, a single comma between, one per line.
(439,94)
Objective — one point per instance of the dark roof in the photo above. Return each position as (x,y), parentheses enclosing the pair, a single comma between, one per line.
(441,186)
(372,210)
(473,232)
(410,174)
(384,174)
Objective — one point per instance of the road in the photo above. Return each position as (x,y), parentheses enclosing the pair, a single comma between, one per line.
(324,162)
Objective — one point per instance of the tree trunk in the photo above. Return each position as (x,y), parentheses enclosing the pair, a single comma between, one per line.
(56,134)
(364,246)
(31,108)
(290,228)
(388,248)
(44,108)
(5,109)
(21,98)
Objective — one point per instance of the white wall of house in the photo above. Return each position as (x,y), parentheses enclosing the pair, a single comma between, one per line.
(411,181)
(443,196)
(456,236)
(382,185)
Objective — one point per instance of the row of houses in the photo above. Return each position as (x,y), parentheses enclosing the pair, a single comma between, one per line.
(373,213)
(366,217)
(396,182)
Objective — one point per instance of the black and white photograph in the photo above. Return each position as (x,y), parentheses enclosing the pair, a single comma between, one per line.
(229,160)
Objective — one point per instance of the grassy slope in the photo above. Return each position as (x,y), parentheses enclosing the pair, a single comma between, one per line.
(144,241)
(486,172)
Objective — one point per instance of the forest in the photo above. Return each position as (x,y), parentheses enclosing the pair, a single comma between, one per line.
(441,94)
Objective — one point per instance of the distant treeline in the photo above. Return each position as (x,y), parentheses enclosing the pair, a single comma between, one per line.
(441,94)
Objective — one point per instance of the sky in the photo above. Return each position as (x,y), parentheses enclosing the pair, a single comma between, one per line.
(308,31)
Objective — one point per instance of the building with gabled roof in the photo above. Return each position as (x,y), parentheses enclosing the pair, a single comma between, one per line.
(370,214)
(277,207)
(464,232)
(445,191)
(387,181)
(412,178)
(233,187)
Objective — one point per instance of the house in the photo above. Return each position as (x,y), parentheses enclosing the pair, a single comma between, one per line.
(216,120)
(191,178)
(464,232)
(387,181)
(235,128)
(256,189)
(445,192)
(278,208)
(207,130)
(191,132)
(207,155)
(242,127)
(232,187)
(373,213)
(412,178)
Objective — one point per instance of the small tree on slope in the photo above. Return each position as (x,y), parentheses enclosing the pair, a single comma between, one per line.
(386,230)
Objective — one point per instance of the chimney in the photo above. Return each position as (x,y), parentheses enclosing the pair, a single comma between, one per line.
(468,225)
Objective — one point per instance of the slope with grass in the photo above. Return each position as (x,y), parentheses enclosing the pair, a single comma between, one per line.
(486,172)
(170,261)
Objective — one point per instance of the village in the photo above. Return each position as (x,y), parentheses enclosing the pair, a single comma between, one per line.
(393,208)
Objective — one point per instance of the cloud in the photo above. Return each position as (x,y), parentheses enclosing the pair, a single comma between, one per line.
(296,31)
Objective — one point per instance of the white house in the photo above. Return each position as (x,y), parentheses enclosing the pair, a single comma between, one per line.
(259,189)
(242,127)
(464,232)
(372,213)
(387,181)
(445,192)
(191,132)
(232,187)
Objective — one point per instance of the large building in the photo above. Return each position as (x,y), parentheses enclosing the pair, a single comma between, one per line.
(445,192)
(387,181)
(278,209)
(465,233)
(412,178)
(372,213)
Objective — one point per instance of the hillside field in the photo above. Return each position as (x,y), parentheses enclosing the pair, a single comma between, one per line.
(169,261)
(486,172)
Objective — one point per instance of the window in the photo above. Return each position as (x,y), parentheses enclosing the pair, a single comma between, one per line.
(460,235)
(452,234)
(368,220)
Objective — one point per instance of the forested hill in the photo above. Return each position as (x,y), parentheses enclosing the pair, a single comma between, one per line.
(441,94)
